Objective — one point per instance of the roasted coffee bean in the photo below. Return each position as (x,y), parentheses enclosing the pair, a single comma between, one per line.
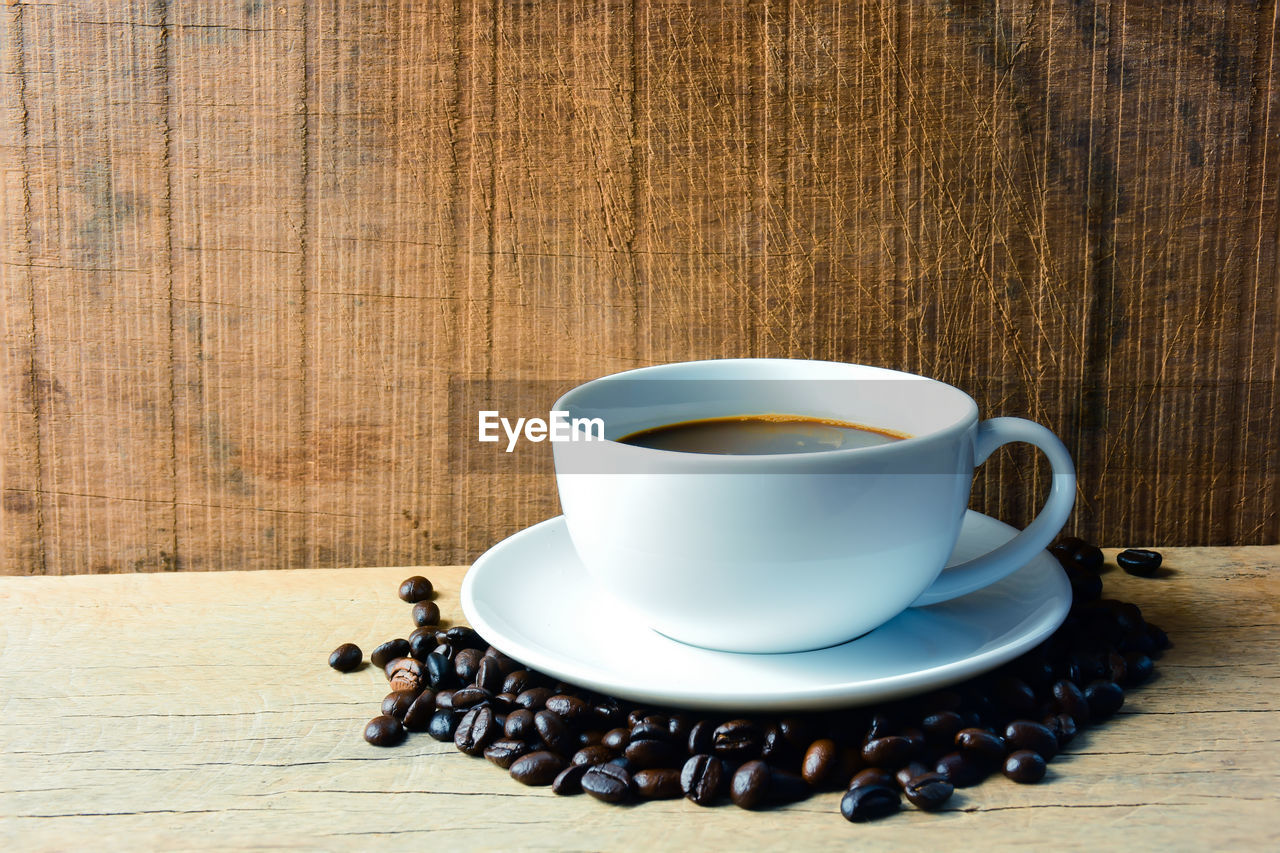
(1070,700)
(651,728)
(701,778)
(596,754)
(1104,698)
(1024,766)
(909,771)
(616,739)
(537,768)
(444,699)
(489,675)
(465,664)
(1085,586)
(397,702)
(417,718)
(469,697)
(1117,669)
(463,637)
(700,737)
(346,657)
(504,703)
(426,613)
(777,750)
(609,714)
(440,674)
(445,650)
(569,780)
(1063,727)
(504,752)
(535,698)
(609,782)
(821,761)
(520,724)
(658,784)
(1138,668)
(962,770)
(590,737)
(1140,562)
(981,744)
(1065,547)
(678,728)
(406,674)
(648,753)
(929,791)
(519,681)
(421,643)
(384,730)
(443,725)
(940,728)
(1013,695)
(1027,734)
(749,787)
(871,776)
(575,712)
(869,802)
(415,589)
(389,651)
(554,733)
(1078,554)
(623,762)
(889,752)
(476,730)
(881,725)
(736,740)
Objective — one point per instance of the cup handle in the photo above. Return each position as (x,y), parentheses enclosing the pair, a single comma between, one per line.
(1000,562)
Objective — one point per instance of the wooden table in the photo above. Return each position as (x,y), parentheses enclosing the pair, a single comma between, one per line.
(167,711)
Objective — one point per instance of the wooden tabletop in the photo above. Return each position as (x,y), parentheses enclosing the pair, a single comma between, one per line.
(198,711)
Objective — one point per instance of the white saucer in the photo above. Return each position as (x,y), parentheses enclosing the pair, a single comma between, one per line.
(531,597)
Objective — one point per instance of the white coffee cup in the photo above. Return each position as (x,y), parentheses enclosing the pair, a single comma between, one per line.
(795,551)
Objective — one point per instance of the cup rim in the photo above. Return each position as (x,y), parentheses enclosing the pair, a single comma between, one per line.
(904,445)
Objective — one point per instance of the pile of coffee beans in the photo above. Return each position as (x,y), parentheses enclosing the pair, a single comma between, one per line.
(455,687)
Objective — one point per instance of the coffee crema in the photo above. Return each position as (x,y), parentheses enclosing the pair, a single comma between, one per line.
(755,435)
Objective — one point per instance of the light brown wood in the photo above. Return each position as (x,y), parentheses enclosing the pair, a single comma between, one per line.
(196,711)
(248,249)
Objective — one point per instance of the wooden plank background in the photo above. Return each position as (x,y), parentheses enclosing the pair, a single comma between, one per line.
(249,247)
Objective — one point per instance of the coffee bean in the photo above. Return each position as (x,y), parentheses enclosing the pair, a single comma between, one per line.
(750,785)
(1158,636)
(1138,668)
(405,674)
(519,681)
(384,730)
(776,750)
(421,642)
(1024,766)
(1063,727)
(535,698)
(701,778)
(440,674)
(616,739)
(443,725)
(881,725)
(426,613)
(537,768)
(649,753)
(389,651)
(869,802)
(1077,553)
(1070,700)
(1104,698)
(658,784)
(821,760)
(700,737)
(1014,696)
(575,712)
(465,663)
(463,637)
(489,676)
(981,744)
(469,697)
(569,780)
(736,740)
(417,718)
(678,728)
(476,730)
(609,782)
(596,754)
(1027,734)
(890,751)
(397,702)
(415,589)
(504,752)
(555,733)
(962,770)
(1140,562)
(909,771)
(1085,586)
(651,728)
(445,650)
(520,725)
(444,699)
(872,776)
(346,657)
(940,728)
(929,791)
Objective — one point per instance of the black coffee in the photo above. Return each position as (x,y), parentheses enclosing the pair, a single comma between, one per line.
(760,434)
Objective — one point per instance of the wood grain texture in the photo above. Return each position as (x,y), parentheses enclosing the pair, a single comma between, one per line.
(196,710)
(249,248)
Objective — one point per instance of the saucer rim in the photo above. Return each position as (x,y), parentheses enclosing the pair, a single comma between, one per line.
(1057,598)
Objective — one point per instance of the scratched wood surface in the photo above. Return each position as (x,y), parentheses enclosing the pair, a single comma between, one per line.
(252,251)
(196,711)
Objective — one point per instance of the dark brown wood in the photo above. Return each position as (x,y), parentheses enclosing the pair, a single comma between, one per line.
(250,248)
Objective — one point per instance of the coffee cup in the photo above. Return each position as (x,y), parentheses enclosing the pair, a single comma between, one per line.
(790,551)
